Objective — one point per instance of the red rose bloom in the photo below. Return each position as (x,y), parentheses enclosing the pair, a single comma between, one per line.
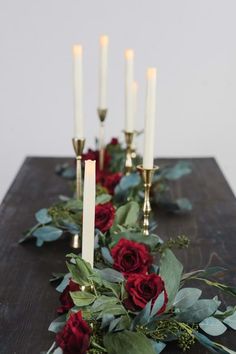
(142,288)
(111,181)
(131,257)
(94,155)
(108,180)
(66,299)
(74,338)
(104,216)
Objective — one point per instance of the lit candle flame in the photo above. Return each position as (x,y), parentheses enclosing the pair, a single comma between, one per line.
(77,50)
(104,41)
(129,54)
(151,73)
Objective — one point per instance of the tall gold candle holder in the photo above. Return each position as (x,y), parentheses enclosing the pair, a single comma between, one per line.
(129,136)
(78,145)
(147,176)
(102,113)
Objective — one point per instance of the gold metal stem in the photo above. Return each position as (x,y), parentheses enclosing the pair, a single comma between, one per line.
(129,152)
(78,145)
(147,175)
(102,116)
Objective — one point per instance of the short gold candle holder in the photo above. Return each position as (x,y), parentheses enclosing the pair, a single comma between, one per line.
(102,113)
(87,288)
(147,175)
(78,145)
(129,136)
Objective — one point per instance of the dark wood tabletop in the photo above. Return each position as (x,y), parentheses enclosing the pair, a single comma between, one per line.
(27,299)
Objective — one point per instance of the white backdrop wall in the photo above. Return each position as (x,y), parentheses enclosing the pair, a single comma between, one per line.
(192,43)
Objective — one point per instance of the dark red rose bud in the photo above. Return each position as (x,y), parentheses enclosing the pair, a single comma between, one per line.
(142,288)
(104,216)
(66,299)
(114,141)
(74,338)
(94,155)
(131,257)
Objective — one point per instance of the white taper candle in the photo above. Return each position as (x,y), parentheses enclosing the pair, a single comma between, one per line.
(149,132)
(129,78)
(102,104)
(89,211)
(78,91)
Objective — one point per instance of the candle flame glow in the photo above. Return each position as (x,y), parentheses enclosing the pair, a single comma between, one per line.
(129,54)
(151,73)
(77,50)
(104,41)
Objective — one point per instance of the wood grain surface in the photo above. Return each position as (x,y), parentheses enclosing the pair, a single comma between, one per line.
(28,301)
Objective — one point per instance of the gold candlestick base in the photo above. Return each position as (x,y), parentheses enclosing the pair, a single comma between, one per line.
(129,136)
(78,145)
(102,116)
(147,175)
(76,242)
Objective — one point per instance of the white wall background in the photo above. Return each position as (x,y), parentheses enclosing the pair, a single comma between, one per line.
(192,42)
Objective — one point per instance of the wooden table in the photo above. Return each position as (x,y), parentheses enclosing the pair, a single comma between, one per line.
(28,301)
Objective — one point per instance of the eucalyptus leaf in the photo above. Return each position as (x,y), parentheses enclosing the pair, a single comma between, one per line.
(127,214)
(63,284)
(103,198)
(199,311)
(111,275)
(158,346)
(47,234)
(231,321)
(143,317)
(82,298)
(106,320)
(212,346)
(170,271)
(159,302)
(43,217)
(152,240)
(57,324)
(81,271)
(184,204)
(74,204)
(113,309)
(130,181)
(186,297)
(107,255)
(212,326)
(177,171)
(102,301)
(137,343)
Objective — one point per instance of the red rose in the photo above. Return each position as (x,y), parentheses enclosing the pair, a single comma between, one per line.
(131,257)
(104,216)
(142,288)
(94,155)
(74,338)
(111,181)
(114,141)
(66,299)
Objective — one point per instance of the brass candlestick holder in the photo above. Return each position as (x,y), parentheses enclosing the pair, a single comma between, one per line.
(102,112)
(147,175)
(78,145)
(129,136)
